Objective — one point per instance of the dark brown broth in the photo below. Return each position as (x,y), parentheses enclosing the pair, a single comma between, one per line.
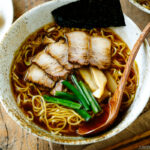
(21,69)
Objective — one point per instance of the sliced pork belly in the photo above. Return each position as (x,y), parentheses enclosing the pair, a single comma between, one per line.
(60,52)
(38,76)
(50,65)
(76,66)
(100,52)
(58,87)
(78,42)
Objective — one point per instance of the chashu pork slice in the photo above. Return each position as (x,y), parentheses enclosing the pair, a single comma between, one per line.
(50,65)
(78,42)
(36,75)
(58,87)
(100,52)
(59,51)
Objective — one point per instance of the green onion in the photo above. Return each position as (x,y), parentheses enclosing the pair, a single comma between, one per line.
(79,88)
(95,101)
(63,102)
(94,105)
(65,95)
(77,93)
(83,114)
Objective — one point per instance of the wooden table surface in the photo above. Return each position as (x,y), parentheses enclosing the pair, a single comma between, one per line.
(12,137)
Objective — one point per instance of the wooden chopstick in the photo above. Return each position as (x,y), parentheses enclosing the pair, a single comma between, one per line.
(132,143)
(137,145)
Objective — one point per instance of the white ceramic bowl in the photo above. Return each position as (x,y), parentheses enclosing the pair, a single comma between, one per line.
(33,20)
(139,6)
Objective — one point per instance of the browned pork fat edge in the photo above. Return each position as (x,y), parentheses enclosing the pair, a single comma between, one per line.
(38,76)
(59,51)
(58,87)
(50,66)
(78,42)
(100,52)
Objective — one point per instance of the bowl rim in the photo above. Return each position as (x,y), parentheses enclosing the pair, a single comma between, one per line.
(139,6)
(82,141)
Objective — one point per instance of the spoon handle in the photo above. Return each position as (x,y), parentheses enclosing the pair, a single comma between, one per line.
(111,110)
(121,87)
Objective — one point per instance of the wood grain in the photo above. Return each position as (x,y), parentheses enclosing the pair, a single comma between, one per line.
(135,141)
(12,137)
(138,127)
(139,17)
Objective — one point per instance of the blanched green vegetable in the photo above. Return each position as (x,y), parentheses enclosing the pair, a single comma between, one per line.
(77,93)
(79,88)
(63,102)
(94,104)
(83,114)
(65,95)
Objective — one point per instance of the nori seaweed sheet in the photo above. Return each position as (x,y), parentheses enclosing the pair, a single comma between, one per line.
(90,14)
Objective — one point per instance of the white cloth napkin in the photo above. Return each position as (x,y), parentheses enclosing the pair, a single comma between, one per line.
(6,16)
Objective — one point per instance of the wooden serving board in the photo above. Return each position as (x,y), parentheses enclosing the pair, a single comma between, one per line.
(12,137)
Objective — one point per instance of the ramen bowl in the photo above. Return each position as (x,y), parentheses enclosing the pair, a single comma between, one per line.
(139,6)
(35,19)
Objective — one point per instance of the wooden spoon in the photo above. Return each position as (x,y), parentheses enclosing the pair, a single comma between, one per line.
(110,111)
